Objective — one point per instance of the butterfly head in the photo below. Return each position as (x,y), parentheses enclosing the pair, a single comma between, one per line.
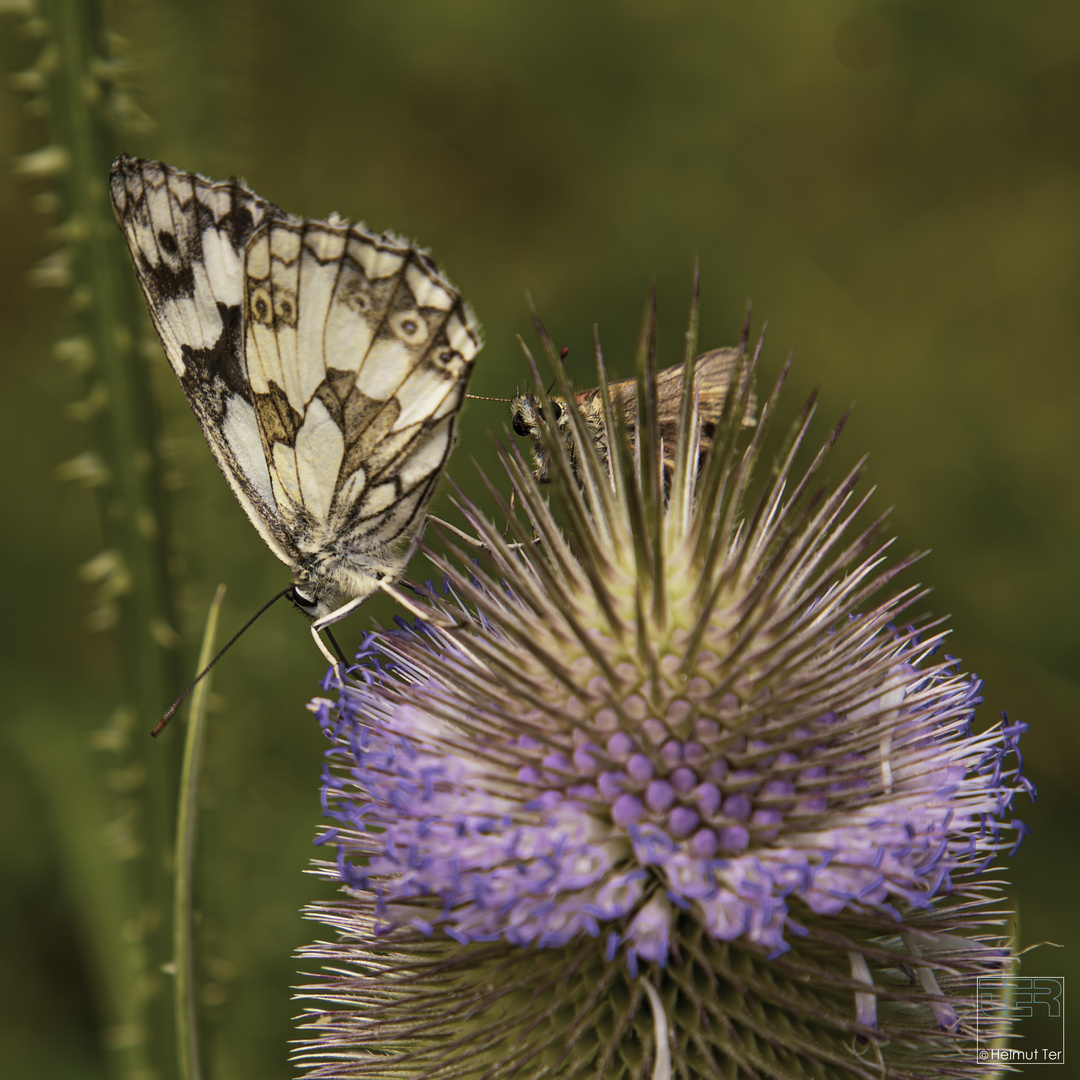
(325,581)
(528,419)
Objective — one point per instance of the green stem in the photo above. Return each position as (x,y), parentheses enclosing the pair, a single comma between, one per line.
(187,1037)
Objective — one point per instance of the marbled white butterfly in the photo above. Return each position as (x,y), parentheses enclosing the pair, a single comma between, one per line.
(326,364)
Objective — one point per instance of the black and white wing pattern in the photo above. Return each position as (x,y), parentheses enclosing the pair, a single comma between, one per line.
(325,363)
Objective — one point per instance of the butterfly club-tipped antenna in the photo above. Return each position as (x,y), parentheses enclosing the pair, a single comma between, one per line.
(563,354)
(509,401)
(481,397)
(160,726)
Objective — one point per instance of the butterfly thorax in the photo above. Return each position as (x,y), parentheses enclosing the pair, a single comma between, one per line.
(330,578)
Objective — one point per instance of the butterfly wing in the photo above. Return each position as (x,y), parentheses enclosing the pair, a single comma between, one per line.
(714,372)
(187,237)
(358,353)
(623,394)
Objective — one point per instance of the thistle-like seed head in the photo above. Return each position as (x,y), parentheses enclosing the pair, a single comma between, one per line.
(679,795)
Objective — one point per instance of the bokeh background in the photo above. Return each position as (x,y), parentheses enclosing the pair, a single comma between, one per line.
(896,186)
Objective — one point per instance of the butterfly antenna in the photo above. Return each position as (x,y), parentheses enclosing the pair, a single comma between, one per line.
(171,711)
(479,397)
(563,354)
(745,339)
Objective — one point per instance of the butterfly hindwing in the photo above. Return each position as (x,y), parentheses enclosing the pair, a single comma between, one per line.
(358,356)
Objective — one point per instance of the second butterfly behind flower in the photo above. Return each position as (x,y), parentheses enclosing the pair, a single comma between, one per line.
(325,363)
(714,371)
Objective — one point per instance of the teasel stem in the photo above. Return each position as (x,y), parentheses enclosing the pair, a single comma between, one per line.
(74,87)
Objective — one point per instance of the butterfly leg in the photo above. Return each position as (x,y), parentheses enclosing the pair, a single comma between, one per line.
(472,541)
(506,531)
(331,659)
(337,648)
(338,660)
(425,614)
(328,620)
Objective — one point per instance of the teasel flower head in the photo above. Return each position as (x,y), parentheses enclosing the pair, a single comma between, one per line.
(686,793)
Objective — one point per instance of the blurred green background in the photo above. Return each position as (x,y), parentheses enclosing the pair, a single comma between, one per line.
(895,185)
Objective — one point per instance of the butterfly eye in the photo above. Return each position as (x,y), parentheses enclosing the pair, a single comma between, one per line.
(556,409)
(301,599)
(519,425)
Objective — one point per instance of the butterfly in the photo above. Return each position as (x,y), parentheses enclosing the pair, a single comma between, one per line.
(713,373)
(325,363)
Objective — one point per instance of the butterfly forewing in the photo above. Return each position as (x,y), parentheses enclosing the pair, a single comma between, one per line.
(325,363)
(186,237)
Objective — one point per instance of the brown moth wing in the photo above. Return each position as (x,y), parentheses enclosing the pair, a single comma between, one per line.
(715,371)
(623,399)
